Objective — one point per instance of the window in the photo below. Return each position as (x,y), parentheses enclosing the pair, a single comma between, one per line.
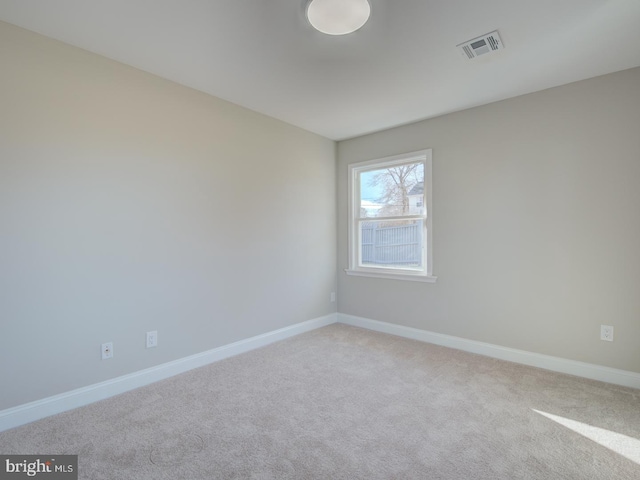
(390,217)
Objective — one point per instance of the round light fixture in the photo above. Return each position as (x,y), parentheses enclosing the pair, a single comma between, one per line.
(338,17)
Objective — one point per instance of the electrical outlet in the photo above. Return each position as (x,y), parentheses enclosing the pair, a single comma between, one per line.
(333,296)
(152,339)
(606,333)
(107,350)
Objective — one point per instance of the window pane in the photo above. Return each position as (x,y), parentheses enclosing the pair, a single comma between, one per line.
(392,243)
(393,191)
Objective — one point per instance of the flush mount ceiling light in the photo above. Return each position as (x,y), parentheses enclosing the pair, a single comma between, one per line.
(338,17)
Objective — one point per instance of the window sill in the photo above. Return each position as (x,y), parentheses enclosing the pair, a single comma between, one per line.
(393,276)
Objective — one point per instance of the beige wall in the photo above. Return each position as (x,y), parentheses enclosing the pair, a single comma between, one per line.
(536,223)
(129,203)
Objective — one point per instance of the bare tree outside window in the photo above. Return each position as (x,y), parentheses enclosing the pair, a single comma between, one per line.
(396,183)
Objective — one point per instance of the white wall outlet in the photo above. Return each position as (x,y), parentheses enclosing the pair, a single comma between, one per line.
(152,339)
(107,350)
(333,296)
(606,333)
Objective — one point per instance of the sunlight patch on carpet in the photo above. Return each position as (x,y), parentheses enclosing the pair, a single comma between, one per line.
(624,445)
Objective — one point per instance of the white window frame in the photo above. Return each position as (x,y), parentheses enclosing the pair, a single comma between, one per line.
(355,267)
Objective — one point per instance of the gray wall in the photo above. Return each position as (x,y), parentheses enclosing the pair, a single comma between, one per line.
(536,223)
(129,203)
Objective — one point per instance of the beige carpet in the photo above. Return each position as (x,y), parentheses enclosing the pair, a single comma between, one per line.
(346,403)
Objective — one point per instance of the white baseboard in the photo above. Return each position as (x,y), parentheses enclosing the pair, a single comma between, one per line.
(29,412)
(556,364)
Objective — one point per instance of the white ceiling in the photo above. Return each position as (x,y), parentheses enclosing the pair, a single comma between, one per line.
(402,66)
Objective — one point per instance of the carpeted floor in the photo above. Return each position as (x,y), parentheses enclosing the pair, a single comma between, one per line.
(346,403)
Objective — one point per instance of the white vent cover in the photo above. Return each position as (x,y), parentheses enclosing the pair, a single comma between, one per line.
(479,46)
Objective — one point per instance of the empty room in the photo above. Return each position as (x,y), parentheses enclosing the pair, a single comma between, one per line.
(320,239)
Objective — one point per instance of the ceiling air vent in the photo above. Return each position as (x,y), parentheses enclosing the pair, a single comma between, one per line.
(479,46)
